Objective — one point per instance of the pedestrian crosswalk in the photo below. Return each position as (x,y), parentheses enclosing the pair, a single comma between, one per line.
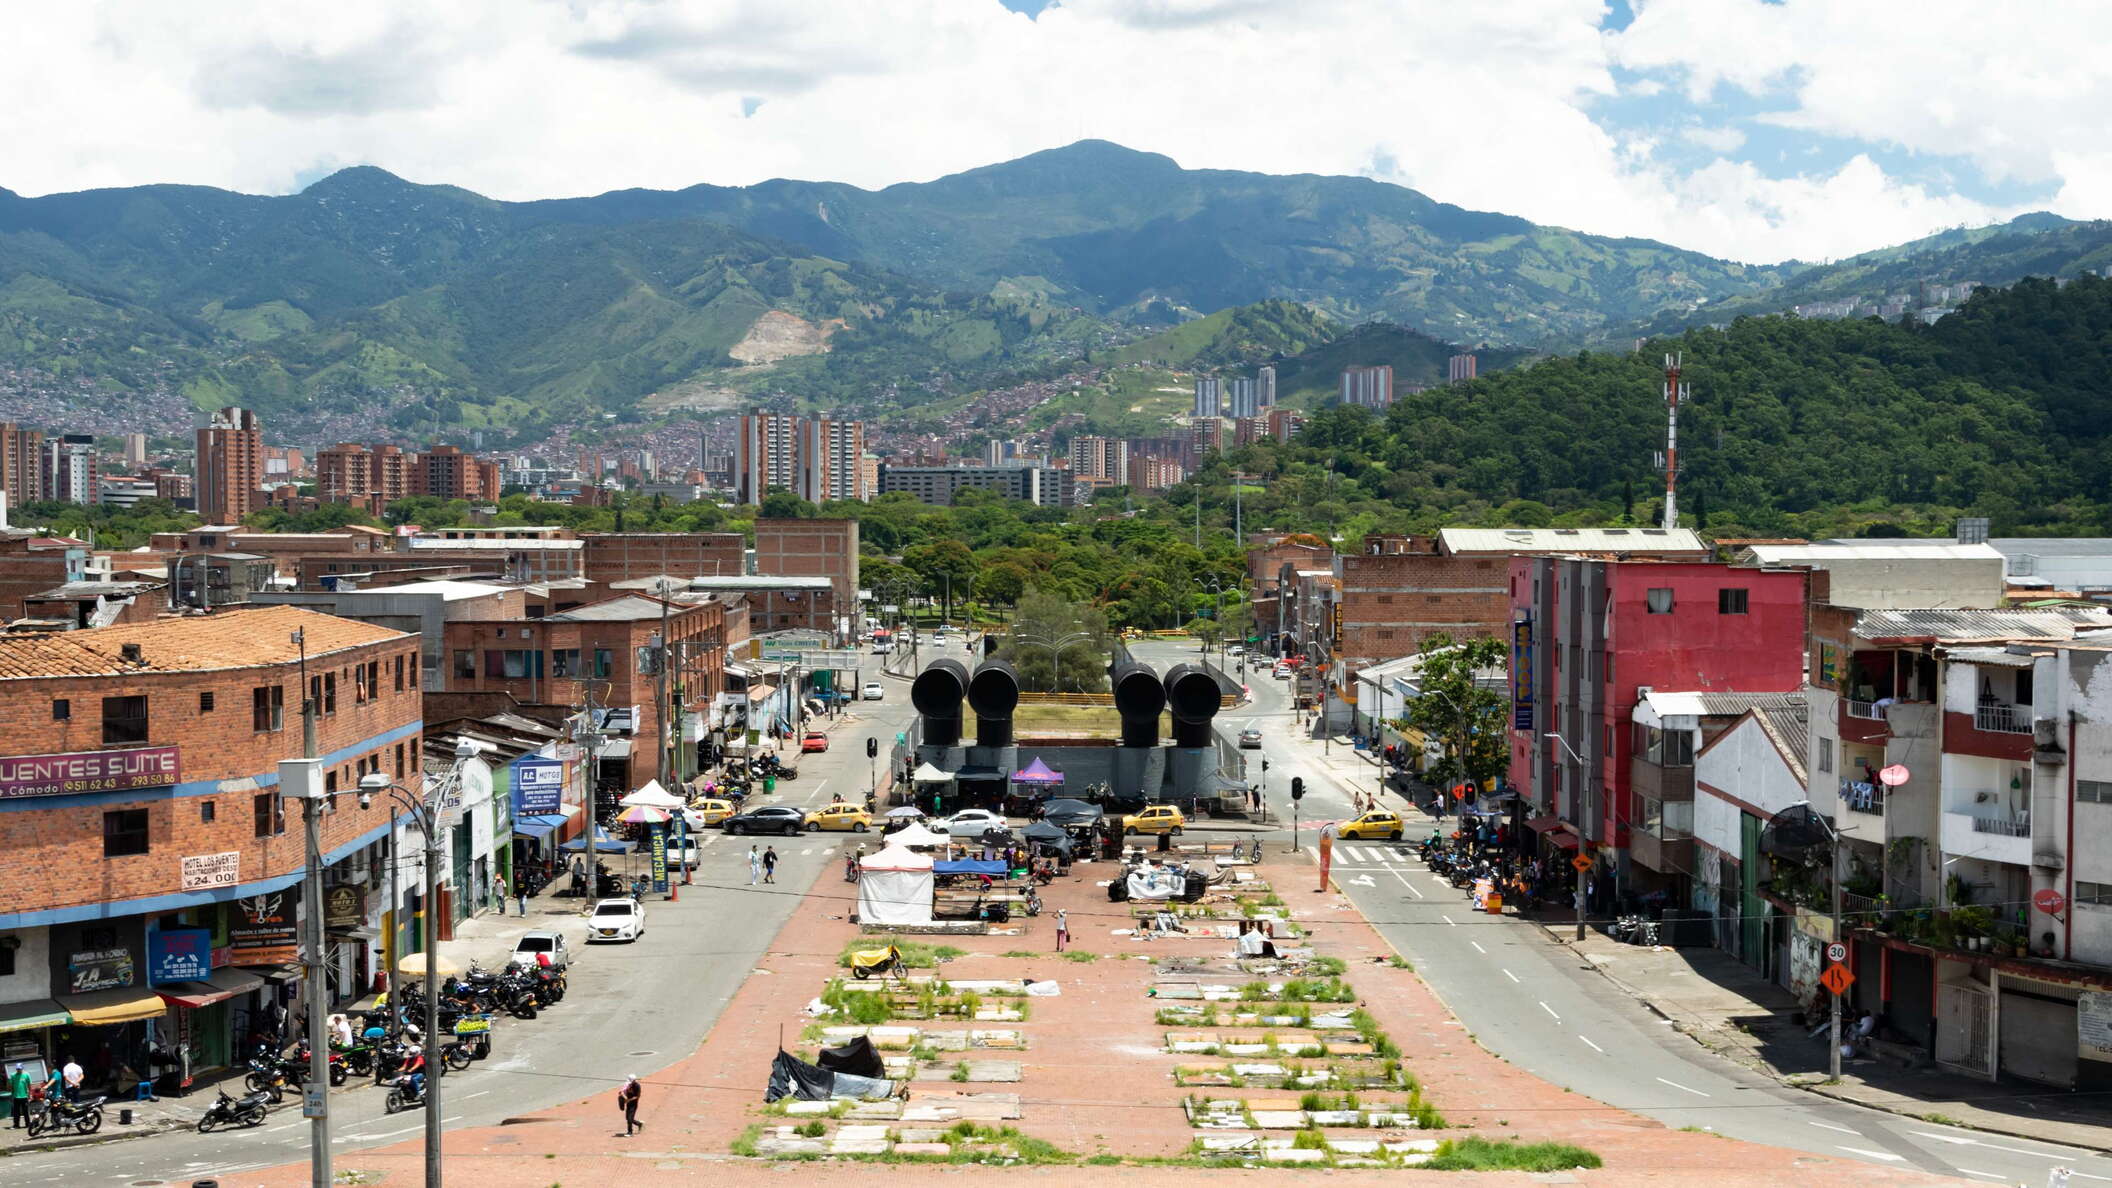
(1371,855)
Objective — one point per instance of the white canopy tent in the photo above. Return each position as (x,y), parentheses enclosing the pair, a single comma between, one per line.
(894,887)
(652,795)
(915,834)
(930,774)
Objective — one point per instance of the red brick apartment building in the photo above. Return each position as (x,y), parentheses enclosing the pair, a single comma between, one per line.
(150,882)
(626,556)
(811,548)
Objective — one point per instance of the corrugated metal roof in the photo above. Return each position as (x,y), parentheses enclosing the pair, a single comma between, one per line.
(1871,550)
(1791,728)
(1558,540)
(2001,657)
(229,639)
(1667,702)
(1982,626)
(628,609)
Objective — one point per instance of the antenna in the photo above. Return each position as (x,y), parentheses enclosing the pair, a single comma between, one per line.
(1675,391)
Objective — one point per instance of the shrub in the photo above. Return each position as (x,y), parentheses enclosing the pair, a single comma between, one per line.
(1478,1154)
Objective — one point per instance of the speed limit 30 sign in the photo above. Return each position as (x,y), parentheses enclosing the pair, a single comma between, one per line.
(1836,952)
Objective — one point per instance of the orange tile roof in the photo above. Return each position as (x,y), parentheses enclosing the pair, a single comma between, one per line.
(228,639)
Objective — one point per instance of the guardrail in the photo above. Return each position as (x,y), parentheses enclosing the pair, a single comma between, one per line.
(2002,719)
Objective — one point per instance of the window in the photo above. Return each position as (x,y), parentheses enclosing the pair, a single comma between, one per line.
(399,674)
(270,813)
(2093,791)
(1825,754)
(604,660)
(1659,599)
(329,705)
(61,709)
(207,812)
(124,720)
(7,961)
(2096,894)
(359,684)
(399,761)
(205,702)
(1731,601)
(564,662)
(330,783)
(124,832)
(413,670)
(465,664)
(267,707)
(512,664)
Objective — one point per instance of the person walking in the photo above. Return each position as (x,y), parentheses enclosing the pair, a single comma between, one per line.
(627,1100)
(498,892)
(520,895)
(18,1095)
(770,864)
(1063,929)
(755,867)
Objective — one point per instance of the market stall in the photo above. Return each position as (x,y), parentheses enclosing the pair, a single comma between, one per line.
(895,887)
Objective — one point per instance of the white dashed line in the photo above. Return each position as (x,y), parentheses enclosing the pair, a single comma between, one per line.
(1514,979)
(1869,1154)
(1831,1126)
(1594,1047)
(1551,1012)
(1447,919)
(1681,1088)
(1478,948)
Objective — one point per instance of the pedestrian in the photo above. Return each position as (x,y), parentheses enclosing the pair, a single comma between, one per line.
(755,867)
(627,1101)
(73,1077)
(498,892)
(18,1095)
(1063,929)
(520,895)
(770,864)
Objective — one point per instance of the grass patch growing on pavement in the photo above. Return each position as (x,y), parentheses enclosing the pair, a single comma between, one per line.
(1479,1154)
(915,954)
(1080,956)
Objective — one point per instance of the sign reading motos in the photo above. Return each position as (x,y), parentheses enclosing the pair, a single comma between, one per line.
(87,771)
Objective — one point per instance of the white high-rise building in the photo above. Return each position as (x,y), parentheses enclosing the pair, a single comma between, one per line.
(1209,396)
(1265,386)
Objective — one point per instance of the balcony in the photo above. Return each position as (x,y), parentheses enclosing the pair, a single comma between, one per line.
(1867,710)
(2003,719)
(1661,782)
(1988,834)
(1860,797)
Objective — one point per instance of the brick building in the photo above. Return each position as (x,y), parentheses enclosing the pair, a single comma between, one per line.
(623,556)
(369,477)
(21,463)
(29,566)
(810,548)
(446,472)
(152,866)
(230,465)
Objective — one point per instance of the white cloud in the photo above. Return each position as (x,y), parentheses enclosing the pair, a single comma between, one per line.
(1490,105)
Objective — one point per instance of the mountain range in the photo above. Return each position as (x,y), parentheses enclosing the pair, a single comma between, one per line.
(430,306)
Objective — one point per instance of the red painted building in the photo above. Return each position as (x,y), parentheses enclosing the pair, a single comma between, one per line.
(1589,636)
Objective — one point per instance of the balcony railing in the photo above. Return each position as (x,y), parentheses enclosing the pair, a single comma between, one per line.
(1860,797)
(2003,719)
(1864,709)
(2016,825)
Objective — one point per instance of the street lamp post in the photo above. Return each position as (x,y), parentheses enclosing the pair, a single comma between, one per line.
(1056,648)
(425,811)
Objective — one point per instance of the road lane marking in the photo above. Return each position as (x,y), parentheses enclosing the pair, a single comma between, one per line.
(1478,948)
(1966,1171)
(1447,919)
(1682,1088)
(1866,1153)
(1594,1047)
(1550,1010)
(1412,890)
(1831,1126)
(1513,977)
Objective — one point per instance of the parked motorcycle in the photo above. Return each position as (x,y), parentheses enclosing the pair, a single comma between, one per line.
(247,1110)
(274,1076)
(81,1117)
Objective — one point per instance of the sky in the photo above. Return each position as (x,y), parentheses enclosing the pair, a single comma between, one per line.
(1758,130)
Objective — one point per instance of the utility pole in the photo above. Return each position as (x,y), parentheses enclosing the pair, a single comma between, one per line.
(315,981)
(1833,1055)
(1675,391)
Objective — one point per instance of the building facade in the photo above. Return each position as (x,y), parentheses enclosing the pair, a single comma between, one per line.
(810,548)
(230,466)
(1368,387)
(1043,485)
(1209,397)
(622,556)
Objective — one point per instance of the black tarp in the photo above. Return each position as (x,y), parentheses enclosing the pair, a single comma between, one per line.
(792,1077)
(858,1058)
(1046,837)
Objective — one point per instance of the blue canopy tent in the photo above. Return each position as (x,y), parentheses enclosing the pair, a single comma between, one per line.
(536,828)
(974,866)
(603,844)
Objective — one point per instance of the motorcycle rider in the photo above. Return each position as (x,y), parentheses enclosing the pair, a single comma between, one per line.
(850,865)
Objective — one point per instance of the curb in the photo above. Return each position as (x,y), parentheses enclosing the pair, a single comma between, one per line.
(97,1139)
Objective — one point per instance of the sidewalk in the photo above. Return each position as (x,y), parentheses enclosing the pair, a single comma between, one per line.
(1721,1004)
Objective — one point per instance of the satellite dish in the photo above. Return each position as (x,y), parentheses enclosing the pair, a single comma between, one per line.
(1796,834)
(1892,775)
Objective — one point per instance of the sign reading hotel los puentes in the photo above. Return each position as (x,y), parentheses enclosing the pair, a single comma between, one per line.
(87,771)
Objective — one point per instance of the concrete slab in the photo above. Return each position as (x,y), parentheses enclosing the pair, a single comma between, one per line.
(875,1110)
(1293,1155)
(921,1134)
(798,1109)
(993,1071)
(940,1149)
(1279,1119)
(858,1147)
(860,1134)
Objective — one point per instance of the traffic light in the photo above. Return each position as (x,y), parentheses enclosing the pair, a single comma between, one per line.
(1297,787)
(872,748)
(1264,762)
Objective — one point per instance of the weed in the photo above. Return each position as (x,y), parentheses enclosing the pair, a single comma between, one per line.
(1327,967)
(1103,1160)
(1021,953)
(960,1071)
(1080,956)
(744,1146)
(1399,962)
(1941,1119)
(856,1006)
(915,954)
(1272,900)
(1309,1139)
(813,1129)
(1479,1154)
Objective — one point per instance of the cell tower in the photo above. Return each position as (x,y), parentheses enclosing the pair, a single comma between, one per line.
(1675,391)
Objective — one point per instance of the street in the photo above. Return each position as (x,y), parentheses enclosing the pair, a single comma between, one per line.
(629,1008)
(1528,999)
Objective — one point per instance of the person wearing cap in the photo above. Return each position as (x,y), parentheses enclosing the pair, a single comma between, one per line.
(18,1095)
(627,1101)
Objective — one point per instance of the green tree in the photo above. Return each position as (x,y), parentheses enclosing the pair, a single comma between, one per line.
(1454,711)
(1058,646)
(947,568)
(1206,630)
(781,504)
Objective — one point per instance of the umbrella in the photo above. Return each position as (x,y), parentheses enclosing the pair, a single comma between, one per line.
(645,814)
(413,965)
(652,795)
(906,812)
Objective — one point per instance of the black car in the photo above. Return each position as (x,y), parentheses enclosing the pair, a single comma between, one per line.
(1067,813)
(775,818)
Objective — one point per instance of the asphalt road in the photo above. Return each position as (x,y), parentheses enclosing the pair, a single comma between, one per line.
(629,1008)
(1528,1000)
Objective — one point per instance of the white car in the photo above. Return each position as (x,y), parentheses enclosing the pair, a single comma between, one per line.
(616,920)
(873,691)
(973,823)
(1236,650)
(882,648)
(684,853)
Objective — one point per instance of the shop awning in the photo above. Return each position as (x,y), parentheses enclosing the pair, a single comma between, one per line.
(37,1012)
(218,986)
(619,748)
(1562,839)
(1543,824)
(105,1007)
(535,828)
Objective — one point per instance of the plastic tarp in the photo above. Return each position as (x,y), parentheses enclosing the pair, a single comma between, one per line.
(792,1077)
(971,866)
(1147,882)
(1044,836)
(895,887)
(1037,772)
(858,1057)
(102,1008)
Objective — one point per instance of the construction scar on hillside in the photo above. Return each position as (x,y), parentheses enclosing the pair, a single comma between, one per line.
(779,335)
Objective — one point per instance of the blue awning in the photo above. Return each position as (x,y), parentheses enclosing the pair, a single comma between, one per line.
(603,844)
(534,828)
(974,866)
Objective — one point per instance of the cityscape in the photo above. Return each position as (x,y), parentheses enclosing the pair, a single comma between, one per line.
(593,590)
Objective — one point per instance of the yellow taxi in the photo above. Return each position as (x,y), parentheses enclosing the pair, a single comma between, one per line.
(1156,818)
(1374,824)
(850,817)
(711,812)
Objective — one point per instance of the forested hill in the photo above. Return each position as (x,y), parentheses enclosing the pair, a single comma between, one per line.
(1795,427)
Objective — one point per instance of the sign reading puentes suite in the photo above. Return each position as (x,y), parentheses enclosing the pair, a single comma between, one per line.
(87,771)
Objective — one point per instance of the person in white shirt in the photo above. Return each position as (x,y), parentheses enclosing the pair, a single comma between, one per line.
(73,1076)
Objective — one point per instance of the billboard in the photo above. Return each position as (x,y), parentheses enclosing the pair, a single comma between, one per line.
(538,786)
(179,955)
(1522,674)
(88,771)
(262,931)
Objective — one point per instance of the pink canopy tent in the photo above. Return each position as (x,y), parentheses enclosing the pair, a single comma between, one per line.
(1038,774)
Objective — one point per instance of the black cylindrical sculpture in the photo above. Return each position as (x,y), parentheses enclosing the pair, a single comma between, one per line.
(1140,699)
(1194,697)
(937,694)
(993,692)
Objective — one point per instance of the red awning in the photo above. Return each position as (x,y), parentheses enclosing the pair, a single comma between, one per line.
(1562,839)
(1543,824)
(222,984)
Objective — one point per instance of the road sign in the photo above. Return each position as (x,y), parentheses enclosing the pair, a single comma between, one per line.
(1581,863)
(1837,979)
(315,1100)
(1836,952)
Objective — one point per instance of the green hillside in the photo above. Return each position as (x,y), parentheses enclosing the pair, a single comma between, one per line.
(1240,336)
(1314,377)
